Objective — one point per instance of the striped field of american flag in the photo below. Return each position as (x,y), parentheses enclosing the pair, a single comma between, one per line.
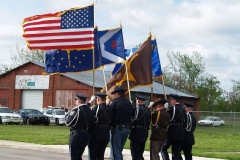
(70,29)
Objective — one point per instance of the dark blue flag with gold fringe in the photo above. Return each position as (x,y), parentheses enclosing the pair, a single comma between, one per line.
(61,61)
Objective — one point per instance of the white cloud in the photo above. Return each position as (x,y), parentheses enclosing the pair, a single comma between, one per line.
(209,27)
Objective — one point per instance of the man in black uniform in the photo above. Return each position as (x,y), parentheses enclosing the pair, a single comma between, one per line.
(139,133)
(159,122)
(99,138)
(81,121)
(121,121)
(175,132)
(190,126)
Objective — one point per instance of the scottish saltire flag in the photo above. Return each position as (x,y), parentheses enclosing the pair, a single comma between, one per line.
(112,45)
(156,65)
(69,29)
(60,61)
(128,53)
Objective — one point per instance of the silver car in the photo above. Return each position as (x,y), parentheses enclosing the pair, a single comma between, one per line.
(211,121)
(8,116)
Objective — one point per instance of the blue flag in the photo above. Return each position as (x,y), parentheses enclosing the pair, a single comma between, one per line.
(112,45)
(59,61)
(156,65)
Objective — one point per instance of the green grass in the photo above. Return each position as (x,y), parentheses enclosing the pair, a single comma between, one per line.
(217,142)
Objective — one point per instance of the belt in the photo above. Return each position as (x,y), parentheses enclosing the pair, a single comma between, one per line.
(175,124)
(102,125)
(79,130)
(158,128)
(141,127)
(123,126)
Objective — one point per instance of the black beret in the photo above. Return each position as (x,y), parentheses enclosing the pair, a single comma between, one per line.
(140,97)
(173,96)
(100,94)
(188,105)
(118,89)
(81,96)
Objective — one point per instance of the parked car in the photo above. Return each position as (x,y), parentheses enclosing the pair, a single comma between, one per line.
(211,121)
(44,110)
(57,116)
(8,116)
(33,116)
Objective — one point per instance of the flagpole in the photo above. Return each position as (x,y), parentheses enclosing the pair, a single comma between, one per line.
(105,79)
(152,93)
(165,96)
(93,59)
(129,94)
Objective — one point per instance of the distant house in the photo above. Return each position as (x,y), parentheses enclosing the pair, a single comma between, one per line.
(26,87)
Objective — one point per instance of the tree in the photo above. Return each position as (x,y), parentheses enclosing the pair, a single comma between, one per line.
(187,73)
(210,93)
(184,71)
(24,55)
(232,99)
(21,56)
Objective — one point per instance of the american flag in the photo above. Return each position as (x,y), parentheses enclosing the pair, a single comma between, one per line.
(70,29)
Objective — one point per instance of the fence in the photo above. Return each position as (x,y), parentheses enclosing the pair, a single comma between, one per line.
(231,119)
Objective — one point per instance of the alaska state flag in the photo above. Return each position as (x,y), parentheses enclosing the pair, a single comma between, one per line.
(60,61)
(111,45)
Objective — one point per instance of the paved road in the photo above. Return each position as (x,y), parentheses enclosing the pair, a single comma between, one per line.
(7,153)
(35,150)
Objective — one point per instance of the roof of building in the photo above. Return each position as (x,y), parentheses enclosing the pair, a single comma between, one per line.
(86,78)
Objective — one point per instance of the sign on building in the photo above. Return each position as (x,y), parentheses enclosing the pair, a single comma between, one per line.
(32,82)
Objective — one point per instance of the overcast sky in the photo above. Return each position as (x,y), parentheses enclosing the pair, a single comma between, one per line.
(211,27)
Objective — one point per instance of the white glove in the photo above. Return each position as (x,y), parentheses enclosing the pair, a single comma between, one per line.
(92,98)
(166,105)
(151,103)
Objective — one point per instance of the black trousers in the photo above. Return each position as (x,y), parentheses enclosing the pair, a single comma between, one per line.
(188,152)
(176,149)
(137,149)
(97,150)
(77,144)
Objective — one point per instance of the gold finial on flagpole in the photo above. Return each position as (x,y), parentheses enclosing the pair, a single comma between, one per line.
(95,26)
(120,23)
(150,34)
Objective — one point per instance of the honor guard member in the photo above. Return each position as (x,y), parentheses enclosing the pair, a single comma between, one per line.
(190,126)
(81,121)
(139,132)
(175,131)
(121,121)
(99,138)
(159,123)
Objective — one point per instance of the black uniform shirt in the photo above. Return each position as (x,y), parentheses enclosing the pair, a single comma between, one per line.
(122,111)
(85,119)
(102,117)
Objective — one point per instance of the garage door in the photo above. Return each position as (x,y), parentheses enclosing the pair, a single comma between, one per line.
(32,99)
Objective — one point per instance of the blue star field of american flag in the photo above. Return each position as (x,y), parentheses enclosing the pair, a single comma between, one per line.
(70,29)
(77,19)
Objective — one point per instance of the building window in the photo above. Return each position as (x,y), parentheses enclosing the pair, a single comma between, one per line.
(3,101)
